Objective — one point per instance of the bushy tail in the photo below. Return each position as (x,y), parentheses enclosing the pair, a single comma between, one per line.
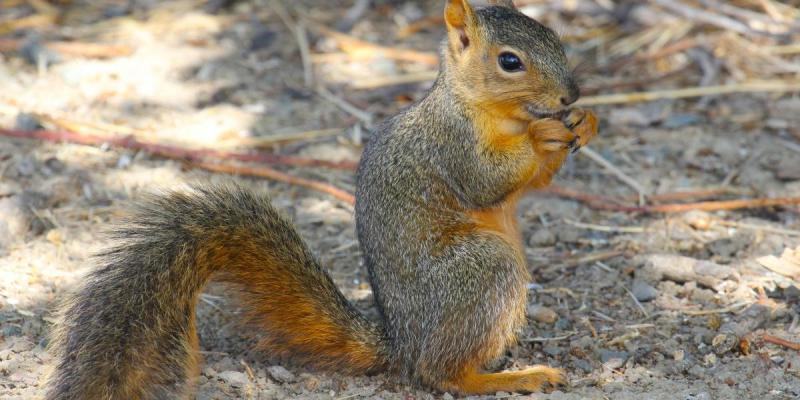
(129,332)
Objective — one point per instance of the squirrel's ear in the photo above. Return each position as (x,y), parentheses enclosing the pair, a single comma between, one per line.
(460,19)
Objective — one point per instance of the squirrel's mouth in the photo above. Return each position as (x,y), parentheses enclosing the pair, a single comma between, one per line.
(540,113)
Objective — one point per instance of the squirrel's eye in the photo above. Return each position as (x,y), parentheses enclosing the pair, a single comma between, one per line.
(510,62)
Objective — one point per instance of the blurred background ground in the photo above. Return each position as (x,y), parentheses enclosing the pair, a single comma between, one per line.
(657,305)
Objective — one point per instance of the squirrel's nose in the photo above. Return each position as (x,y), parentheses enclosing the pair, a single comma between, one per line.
(573,95)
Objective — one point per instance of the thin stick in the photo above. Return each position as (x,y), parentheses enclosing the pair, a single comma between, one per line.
(594,201)
(597,158)
(269,173)
(305,53)
(276,139)
(708,17)
(723,310)
(780,342)
(777,86)
(592,257)
(75,49)
(383,81)
(604,228)
(638,304)
(353,45)
(344,105)
(691,194)
(175,152)
(716,205)
(764,228)
(552,339)
(419,25)
(613,204)
(677,47)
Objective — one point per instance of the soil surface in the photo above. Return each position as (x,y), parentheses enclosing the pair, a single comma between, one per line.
(632,305)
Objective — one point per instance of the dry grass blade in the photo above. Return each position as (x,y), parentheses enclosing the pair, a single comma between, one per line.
(596,157)
(778,86)
(175,152)
(707,17)
(357,46)
(383,81)
(278,139)
(269,173)
(75,49)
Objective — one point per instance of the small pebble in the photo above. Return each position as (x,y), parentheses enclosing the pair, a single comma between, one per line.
(234,378)
(552,350)
(583,365)
(542,238)
(643,291)
(312,383)
(27,122)
(542,314)
(699,220)
(680,120)
(22,345)
(281,374)
(608,355)
(724,343)
(710,359)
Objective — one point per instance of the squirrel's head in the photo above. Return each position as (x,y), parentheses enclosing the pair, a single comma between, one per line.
(506,63)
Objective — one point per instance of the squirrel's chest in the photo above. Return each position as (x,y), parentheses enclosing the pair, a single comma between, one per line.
(502,221)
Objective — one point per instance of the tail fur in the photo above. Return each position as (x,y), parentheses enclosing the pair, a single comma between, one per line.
(129,332)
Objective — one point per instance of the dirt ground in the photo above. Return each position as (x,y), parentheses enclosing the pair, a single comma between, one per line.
(633,305)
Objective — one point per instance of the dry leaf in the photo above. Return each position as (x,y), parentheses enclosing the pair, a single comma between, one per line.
(787,265)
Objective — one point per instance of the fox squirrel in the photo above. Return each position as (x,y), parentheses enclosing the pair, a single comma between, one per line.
(437,188)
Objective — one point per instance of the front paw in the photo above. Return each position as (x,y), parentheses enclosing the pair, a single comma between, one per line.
(551,135)
(583,123)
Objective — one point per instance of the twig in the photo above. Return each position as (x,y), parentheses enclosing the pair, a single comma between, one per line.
(723,310)
(419,25)
(175,152)
(764,228)
(602,316)
(604,228)
(551,339)
(383,81)
(592,200)
(677,47)
(298,30)
(789,145)
(269,173)
(344,105)
(748,87)
(715,205)
(597,158)
(355,46)
(708,17)
(780,342)
(592,257)
(305,53)
(272,140)
(633,83)
(75,49)
(611,204)
(746,15)
(638,304)
(692,194)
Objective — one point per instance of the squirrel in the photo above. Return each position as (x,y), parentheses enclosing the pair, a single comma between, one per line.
(436,194)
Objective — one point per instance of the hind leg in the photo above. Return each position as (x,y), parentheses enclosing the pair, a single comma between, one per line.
(531,379)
